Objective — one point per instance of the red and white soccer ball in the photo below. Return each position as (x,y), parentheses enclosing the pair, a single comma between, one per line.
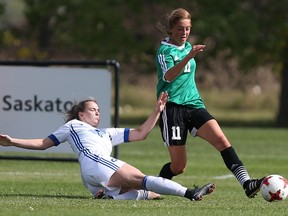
(274,188)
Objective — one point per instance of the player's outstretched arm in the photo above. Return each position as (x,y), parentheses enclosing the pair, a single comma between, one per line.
(36,144)
(142,132)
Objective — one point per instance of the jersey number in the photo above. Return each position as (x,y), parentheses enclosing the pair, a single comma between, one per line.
(176,133)
(187,68)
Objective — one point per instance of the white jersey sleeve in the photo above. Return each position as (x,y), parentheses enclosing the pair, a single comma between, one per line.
(117,135)
(82,137)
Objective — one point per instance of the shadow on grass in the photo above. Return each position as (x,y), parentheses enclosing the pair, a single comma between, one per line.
(56,196)
(46,196)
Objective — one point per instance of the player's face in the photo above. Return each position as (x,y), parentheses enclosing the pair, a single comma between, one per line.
(91,114)
(180,32)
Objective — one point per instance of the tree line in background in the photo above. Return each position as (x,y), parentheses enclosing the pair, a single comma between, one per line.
(255,32)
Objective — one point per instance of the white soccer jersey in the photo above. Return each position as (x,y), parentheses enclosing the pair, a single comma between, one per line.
(89,140)
(93,147)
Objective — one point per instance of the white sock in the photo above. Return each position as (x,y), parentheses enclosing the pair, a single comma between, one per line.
(163,186)
(132,195)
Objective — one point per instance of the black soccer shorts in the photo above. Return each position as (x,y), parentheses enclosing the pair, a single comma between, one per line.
(176,120)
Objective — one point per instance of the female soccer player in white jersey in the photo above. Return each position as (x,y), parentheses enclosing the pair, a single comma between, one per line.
(185,111)
(103,175)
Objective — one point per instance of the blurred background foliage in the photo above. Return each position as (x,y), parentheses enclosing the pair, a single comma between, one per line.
(246,55)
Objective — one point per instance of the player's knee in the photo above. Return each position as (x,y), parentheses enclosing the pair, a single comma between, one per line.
(221,143)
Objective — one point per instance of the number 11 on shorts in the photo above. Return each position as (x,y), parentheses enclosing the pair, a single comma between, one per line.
(176,133)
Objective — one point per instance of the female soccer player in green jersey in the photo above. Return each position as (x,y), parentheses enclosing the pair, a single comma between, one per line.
(185,111)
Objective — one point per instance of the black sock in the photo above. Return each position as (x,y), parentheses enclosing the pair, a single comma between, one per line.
(166,171)
(189,193)
(231,159)
(235,165)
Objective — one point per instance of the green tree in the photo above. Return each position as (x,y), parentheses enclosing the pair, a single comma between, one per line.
(253,31)
(256,31)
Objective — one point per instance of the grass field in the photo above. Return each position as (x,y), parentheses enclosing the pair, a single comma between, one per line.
(55,188)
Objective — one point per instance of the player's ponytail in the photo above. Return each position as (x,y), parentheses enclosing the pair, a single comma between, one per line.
(73,113)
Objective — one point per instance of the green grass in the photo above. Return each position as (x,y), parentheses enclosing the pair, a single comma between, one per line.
(55,188)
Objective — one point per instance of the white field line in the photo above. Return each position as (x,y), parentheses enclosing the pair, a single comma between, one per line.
(227,176)
(36,174)
(221,177)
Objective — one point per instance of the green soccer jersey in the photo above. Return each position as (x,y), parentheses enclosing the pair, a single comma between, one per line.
(182,90)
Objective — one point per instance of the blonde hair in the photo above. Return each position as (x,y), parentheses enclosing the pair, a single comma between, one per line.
(172,19)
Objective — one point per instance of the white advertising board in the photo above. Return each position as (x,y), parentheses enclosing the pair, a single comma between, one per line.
(33,99)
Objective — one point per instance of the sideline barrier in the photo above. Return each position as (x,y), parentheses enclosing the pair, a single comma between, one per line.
(26,88)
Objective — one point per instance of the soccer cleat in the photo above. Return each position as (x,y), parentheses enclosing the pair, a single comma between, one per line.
(197,193)
(101,195)
(252,187)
